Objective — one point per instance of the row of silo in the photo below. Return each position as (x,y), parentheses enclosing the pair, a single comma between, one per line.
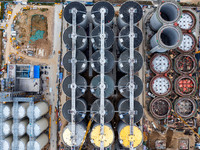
(81,66)
(40,109)
(183,65)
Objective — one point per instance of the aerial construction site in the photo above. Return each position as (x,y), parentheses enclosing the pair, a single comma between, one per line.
(100,75)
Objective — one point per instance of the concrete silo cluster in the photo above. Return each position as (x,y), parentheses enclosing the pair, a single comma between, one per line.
(105,73)
(17,130)
(172,62)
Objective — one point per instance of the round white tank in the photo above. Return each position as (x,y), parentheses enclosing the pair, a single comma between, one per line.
(22,109)
(40,109)
(39,143)
(7,127)
(7,143)
(7,110)
(22,142)
(39,126)
(22,125)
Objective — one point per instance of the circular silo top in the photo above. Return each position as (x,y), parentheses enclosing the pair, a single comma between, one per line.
(81,39)
(81,61)
(95,86)
(81,108)
(109,12)
(109,110)
(124,37)
(81,85)
(124,108)
(124,11)
(109,37)
(80,15)
(123,86)
(160,63)
(124,61)
(109,61)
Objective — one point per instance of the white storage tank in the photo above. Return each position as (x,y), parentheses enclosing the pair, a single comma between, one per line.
(22,125)
(22,110)
(7,127)
(22,143)
(7,110)
(7,143)
(39,126)
(39,143)
(40,109)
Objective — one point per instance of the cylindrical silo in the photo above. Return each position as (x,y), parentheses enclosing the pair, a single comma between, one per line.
(7,110)
(185,64)
(22,110)
(188,43)
(81,15)
(124,108)
(7,127)
(96,137)
(166,13)
(185,85)
(187,21)
(109,110)
(185,107)
(38,127)
(39,143)
(81,40)
(160,63)
(124,15)
(168,37)
(81,108)
(124,61)
(22,143)
(96,40)
(107,8)
(125,138)
(160,85)
(109,61)
(40,109)
(123,86)
(160,107)
(22,125)
(7,143)
(124,39)
(95,86)
(81,61)
(81,85)
(80,130)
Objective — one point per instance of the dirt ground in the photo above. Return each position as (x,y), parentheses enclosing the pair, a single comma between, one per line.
(27,25)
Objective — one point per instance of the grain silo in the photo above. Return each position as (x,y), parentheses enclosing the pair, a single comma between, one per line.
(109,86)
(166,13)
(7,127)
(125,138)
(81,40)
(124,14)
(107,8)
(81,13)
(39,143)
(107,138)
(96,39)
(39,127)
(7,110)
(7,143)
(109,61)
(123,86)
(108,108)
(81,85)
(80,130)
(22,125)
(124,61)
(22,143)
(81,61)
(124,108)
(22,110)
(81,108)
(39,110)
